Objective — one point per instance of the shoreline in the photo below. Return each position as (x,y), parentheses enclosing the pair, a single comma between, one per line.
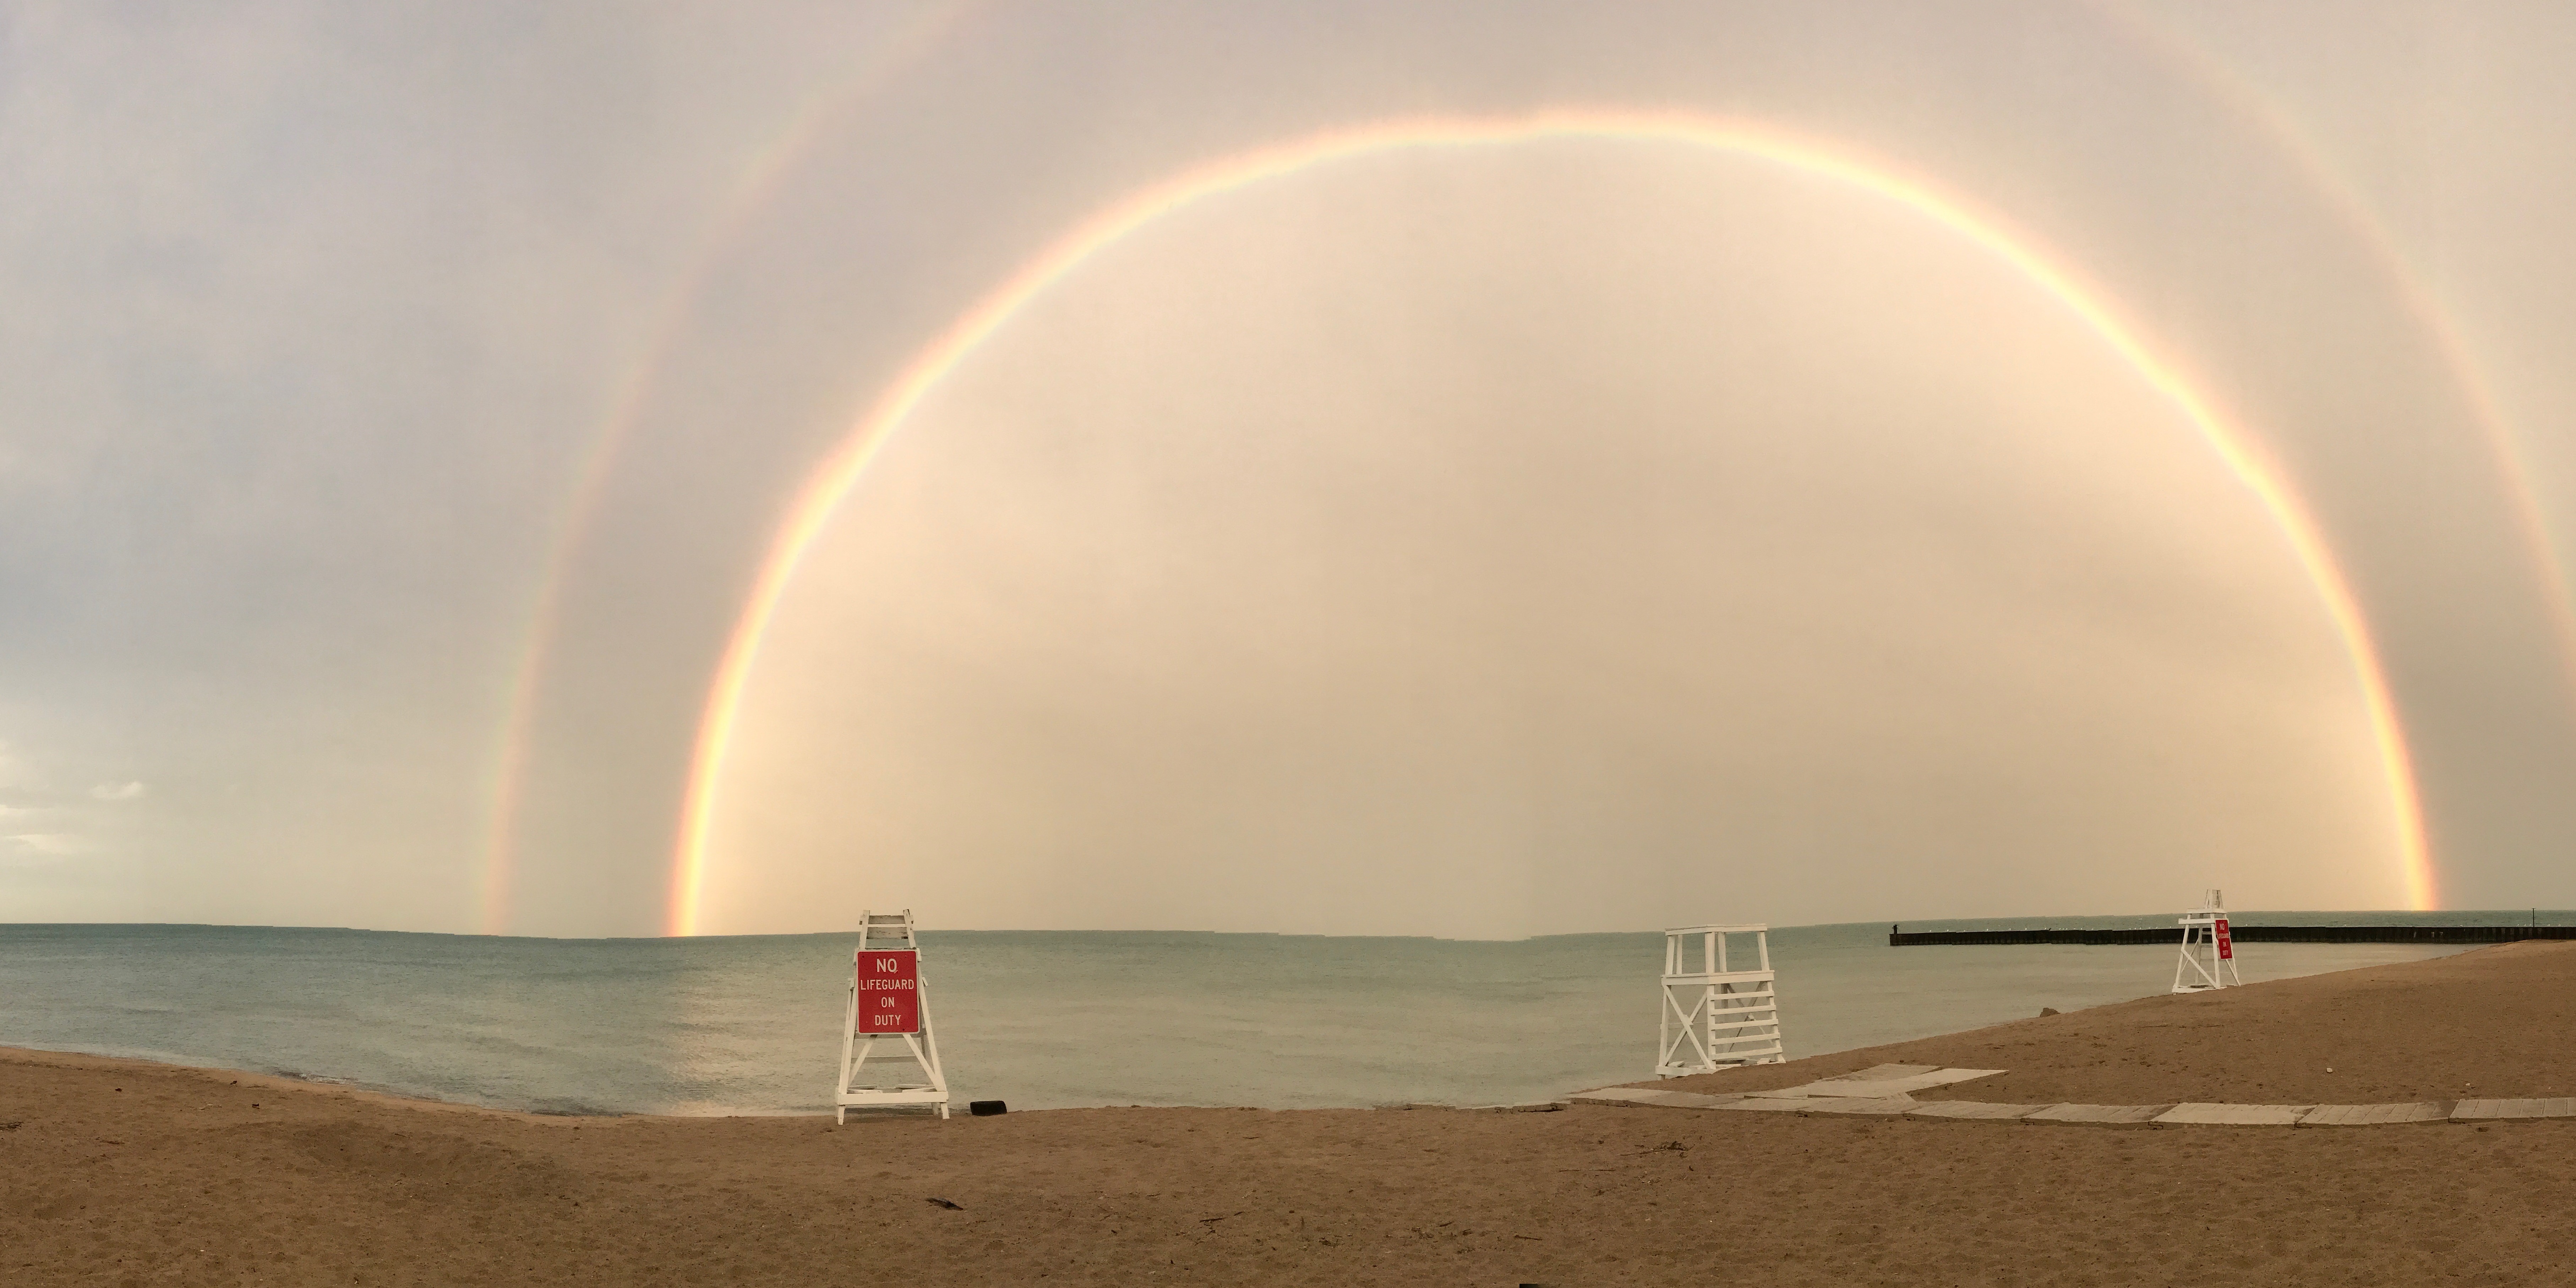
(114,1169)
(44,1057)
(1987,1046)
(612,1031)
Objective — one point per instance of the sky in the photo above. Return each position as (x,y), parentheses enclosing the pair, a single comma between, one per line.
(1459,469)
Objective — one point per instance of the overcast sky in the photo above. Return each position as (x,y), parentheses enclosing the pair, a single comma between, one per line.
(396,400)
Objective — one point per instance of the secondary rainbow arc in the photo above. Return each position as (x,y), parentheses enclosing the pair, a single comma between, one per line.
(842,470)
(2414,293)
(761,174)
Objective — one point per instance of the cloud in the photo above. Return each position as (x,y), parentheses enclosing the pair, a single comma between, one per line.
(44,844)
(116,791)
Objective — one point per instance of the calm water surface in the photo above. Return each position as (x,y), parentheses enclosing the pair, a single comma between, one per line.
(1042,1019)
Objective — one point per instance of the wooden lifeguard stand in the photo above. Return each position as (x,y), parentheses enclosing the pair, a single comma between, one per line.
(888,1001)
(1714,1017)
(2208,953)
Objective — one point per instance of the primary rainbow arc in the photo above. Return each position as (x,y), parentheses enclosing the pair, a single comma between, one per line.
(840,472)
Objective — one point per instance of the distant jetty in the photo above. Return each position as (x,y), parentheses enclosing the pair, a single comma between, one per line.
(2097,937)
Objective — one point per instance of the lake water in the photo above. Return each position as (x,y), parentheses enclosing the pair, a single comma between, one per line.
(751,1025)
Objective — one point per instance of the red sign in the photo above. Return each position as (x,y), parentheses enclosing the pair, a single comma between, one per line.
(2226,946)
(889,991)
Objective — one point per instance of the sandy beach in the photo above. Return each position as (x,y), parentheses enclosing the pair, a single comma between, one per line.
(118,1172)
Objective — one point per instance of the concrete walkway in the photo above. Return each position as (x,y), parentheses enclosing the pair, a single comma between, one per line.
(1886,1092)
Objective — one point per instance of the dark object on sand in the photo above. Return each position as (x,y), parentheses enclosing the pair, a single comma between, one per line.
(953,1207)
(986,1108)
(2046,1011)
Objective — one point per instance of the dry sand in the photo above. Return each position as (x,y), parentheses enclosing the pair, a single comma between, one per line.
(114,1172)
(2496,1022)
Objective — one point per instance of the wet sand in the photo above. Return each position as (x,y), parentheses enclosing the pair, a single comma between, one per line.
(117,1172)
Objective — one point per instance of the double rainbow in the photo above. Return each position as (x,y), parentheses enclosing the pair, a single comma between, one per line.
(839,473)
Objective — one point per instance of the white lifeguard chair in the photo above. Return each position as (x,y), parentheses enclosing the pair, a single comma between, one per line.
(888,1001)
(1716,1018)
(2208,951)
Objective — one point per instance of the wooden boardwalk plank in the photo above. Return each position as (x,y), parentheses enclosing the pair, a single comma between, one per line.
(1621,1096)
(2099,1115)
(2474,1110)
(2430,1111)
(1694,1100)
(1947,1076)
(1651,1096)
(2196,1113)
(1844,1090)
(1847,1099)
(1771,1104)
(1888,1107)
(1873,1088)
(1977,1109)
(1877,1072)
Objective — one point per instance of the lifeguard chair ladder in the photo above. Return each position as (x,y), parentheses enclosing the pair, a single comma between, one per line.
(886,940)
(1716,1018)
(2208,951)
